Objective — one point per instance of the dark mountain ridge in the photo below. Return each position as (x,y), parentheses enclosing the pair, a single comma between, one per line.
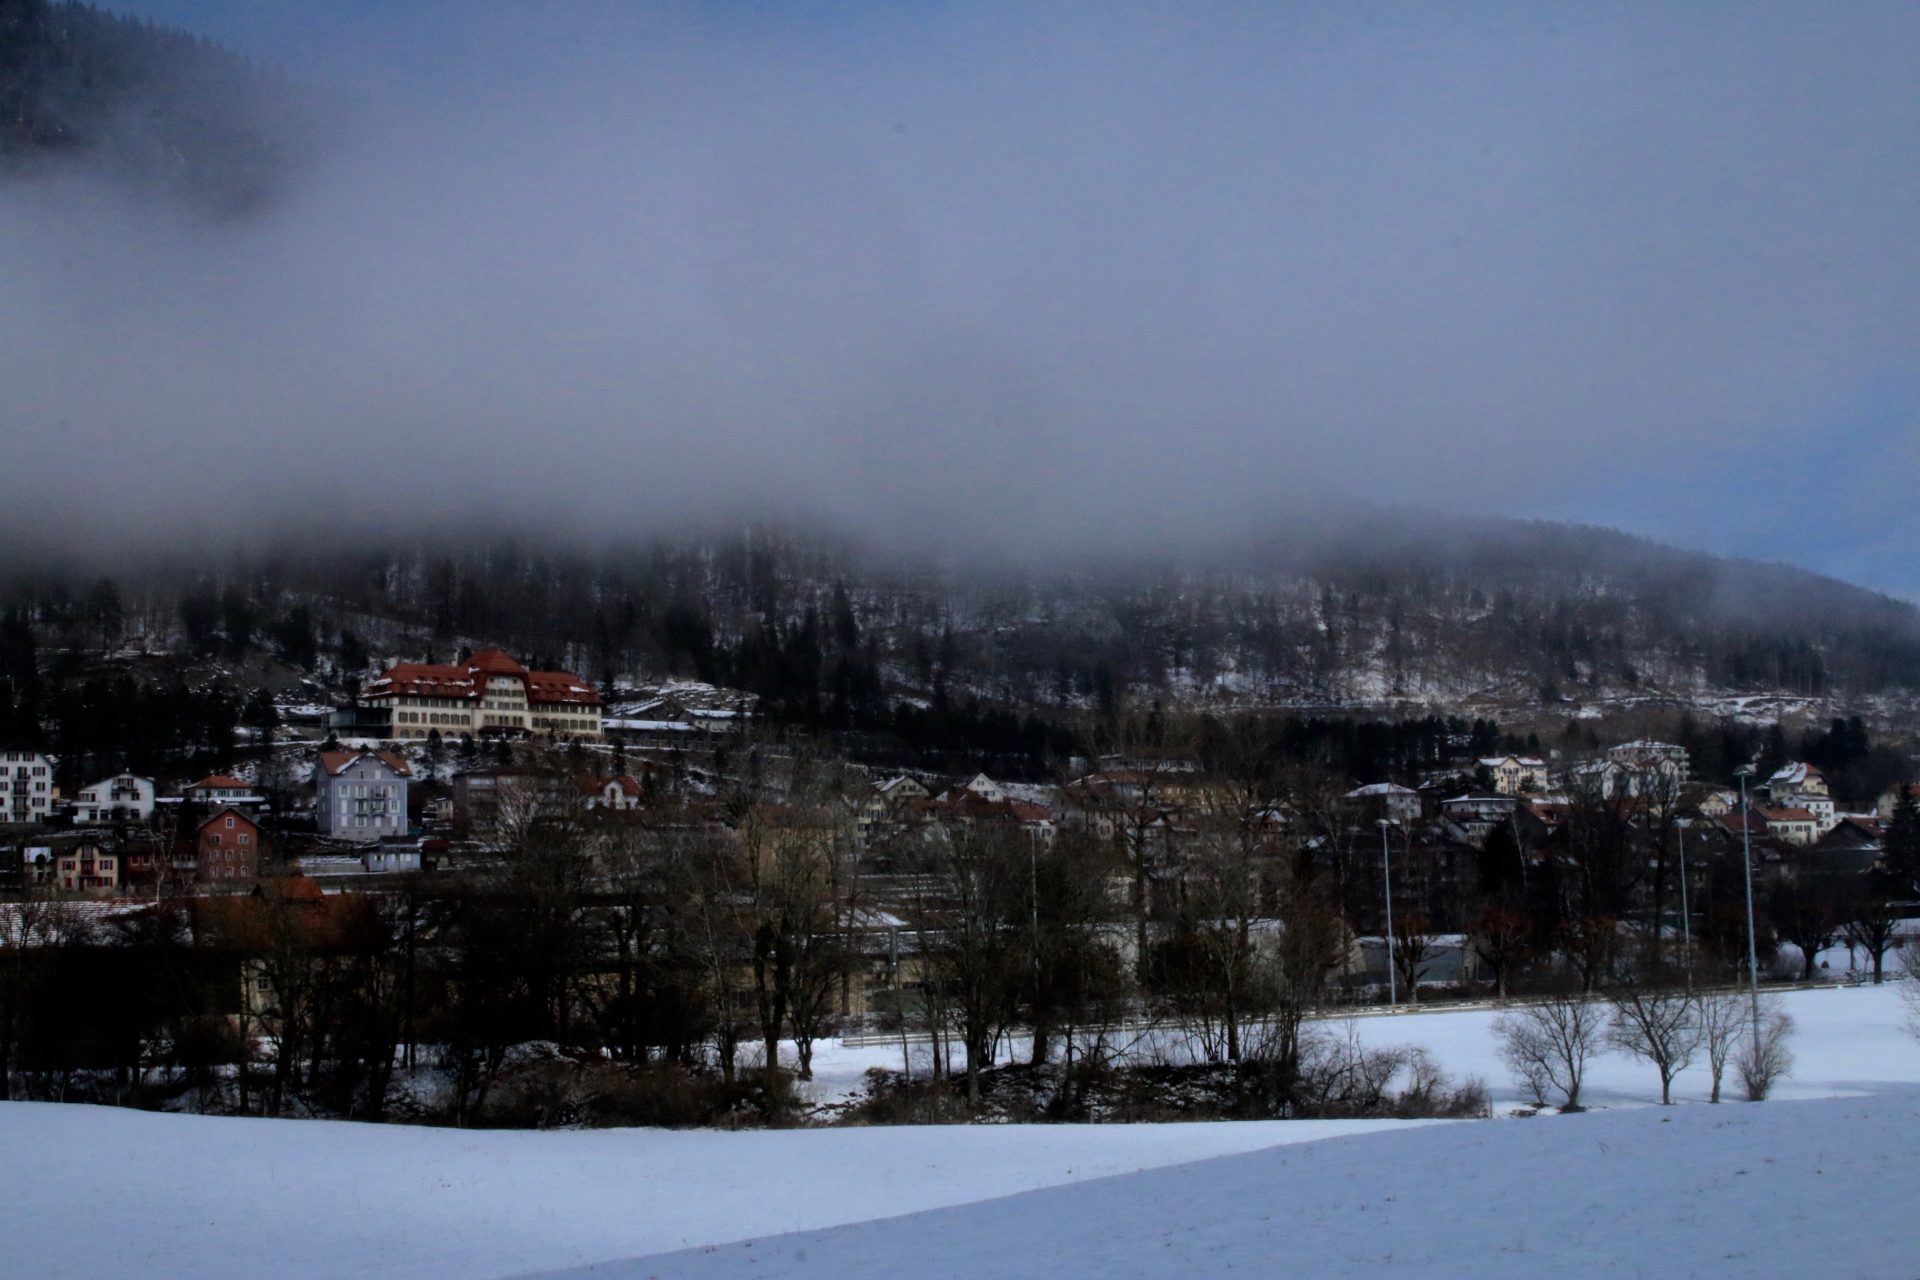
(159,110)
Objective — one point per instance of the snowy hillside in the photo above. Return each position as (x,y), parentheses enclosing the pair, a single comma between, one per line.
(1802,1185)
(1795,1189)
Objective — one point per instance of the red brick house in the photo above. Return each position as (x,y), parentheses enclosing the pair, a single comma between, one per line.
(227,847)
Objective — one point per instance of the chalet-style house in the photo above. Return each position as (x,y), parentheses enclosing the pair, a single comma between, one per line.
(1796,779)
(360,795)
(125,797)
(620,794)
(26,786)
(890,804)
(227,847)
(490,693)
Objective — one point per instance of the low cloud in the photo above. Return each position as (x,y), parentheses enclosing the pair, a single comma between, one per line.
(995,275)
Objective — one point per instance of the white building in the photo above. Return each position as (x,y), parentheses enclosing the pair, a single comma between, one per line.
(26,785)
(1796,779)
(1817,803)
(622,793)
(1663,760)
(218,790)
(1514,774)
(360,795)
(125,797)
(1390,800)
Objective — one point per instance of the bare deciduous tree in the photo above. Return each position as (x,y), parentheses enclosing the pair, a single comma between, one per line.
(1722,1019)
(1547,1045)
(1658,1024)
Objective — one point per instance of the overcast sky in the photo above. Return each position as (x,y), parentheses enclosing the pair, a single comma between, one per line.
(1073,273)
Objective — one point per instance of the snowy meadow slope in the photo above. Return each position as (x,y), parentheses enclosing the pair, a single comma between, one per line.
(1814,1177)
(1794,1189)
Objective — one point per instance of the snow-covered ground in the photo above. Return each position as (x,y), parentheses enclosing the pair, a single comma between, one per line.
(100,1192)
(1788,1190)
(1815,1182)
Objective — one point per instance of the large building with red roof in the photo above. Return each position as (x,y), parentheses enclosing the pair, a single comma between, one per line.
(489,693)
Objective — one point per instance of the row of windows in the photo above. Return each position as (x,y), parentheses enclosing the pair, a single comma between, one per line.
(431,717)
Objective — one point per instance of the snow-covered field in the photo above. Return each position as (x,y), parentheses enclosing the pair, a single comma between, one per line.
(1817,1182)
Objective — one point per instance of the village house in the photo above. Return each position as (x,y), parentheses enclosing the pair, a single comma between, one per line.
(1513,774)
(1712,802)
(1797,779)
(488,799)
(86,867)
(218,789)
(1387,800)
(981,801)
(619,794)
(890,803)
(125,797)
(1476,816)
(26,786)
(489,693)
(1794,825)
(1855,843)
(1666,759)
(227,847)
(360,795)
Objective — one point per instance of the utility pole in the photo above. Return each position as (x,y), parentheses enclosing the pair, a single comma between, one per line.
(1386,873)
(1686,917)
(1746,854)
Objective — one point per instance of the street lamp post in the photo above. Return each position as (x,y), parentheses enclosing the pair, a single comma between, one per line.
(1386,875)
(1686,916)
(1746,855)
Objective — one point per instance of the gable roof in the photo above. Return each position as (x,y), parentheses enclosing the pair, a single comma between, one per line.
(221,813)
(334,762)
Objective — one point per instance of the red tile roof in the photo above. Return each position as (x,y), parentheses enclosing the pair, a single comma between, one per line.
(334,761)
(223,813)
(218,780)
(423,680)
(551,687)
(443,680)
(495,662)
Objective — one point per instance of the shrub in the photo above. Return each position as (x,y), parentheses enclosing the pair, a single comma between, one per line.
(1766,1060)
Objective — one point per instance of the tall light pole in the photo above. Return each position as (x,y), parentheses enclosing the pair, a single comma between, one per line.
(1386,875)
(1746,855)
(1686,916)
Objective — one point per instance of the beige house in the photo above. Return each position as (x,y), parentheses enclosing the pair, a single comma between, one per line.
(1792,824)
(1514,774)
(490,693)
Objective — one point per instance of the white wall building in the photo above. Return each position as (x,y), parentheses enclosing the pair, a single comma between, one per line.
(26,786)
(1514,774)
(125,797)
(360,795)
